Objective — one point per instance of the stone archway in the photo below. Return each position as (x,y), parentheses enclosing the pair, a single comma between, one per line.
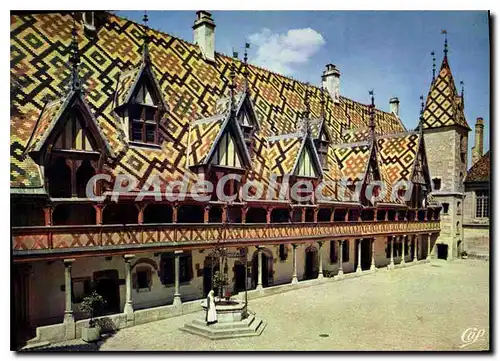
(311,263)
(267,268)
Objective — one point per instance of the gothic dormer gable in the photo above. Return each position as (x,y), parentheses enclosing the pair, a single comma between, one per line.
(67,125)
(140,105)
(307,163)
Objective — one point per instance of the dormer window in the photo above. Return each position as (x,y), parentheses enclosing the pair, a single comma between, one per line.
(143,124)
(140,106)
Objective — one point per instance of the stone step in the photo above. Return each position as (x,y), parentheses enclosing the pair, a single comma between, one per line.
(256,327)
(236,324)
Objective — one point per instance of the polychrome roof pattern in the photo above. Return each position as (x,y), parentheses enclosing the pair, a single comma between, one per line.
(190,86)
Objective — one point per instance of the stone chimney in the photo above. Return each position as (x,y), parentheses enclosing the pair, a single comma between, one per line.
(331,82)
(394,105)
(204,34)
(477,149)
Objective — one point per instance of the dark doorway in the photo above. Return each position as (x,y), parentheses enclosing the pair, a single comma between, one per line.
(107,285)
(239,277)
(209,269)
(20,307)
(366,254)
(442,251)
(311,263)
(266,261)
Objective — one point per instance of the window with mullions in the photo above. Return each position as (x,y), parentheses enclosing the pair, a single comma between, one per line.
(167,268)
(482,204)
(143,118)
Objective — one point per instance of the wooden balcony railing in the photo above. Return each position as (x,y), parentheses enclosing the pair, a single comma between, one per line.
(28,240)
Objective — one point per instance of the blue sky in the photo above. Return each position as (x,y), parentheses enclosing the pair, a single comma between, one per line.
(388,51)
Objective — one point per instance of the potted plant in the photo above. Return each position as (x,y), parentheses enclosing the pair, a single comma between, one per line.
(463,254)
(90,305)
(227,295)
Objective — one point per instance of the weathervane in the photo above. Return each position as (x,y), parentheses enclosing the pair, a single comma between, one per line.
(232,84)
(74,59)
(145,38)
(245,63)
(433,65)
(421,122)
(372,114)
(445,41)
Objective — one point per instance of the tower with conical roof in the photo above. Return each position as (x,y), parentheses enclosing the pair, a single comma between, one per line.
(445,132)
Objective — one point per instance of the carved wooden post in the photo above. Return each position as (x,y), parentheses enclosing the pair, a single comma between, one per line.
(174,213)
(269,211)
(47,212)
(320,270)
(346,217)
(290,215)
(140,214)
(303,219)
(386,217)
(341,251)
(396,215)
(69,320)
(206,214)
(358,268)
(294,254)
(315,215)
(332,215)
(99,213)
(372,266)
(177,293)
(244,211)
(224,213)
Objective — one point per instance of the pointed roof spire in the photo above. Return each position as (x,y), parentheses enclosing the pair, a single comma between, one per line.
(245,64)
(372,115)
(305,123)
(74,59)
(433,54)
(145,38)
(445,42)
(462,95)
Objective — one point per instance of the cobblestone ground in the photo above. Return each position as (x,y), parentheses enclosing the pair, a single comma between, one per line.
(423,307)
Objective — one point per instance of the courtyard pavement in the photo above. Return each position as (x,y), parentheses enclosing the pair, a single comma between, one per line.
(430,307)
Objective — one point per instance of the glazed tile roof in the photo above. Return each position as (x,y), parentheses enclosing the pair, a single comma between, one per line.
(191,88)
(283,152)
(480,171)
(444,107)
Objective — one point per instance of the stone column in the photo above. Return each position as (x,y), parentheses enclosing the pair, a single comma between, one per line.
(415,248)
(372,266)
(69,320)
(128,309)
(295,280)
(320,270)
(429,248)
(259,270)
(403,248)
(358,269)
(177,293)
(391,264)
(341,261)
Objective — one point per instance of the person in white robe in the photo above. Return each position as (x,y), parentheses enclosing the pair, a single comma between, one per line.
(211,316)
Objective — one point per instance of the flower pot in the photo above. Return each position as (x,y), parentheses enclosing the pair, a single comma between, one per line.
(91,334)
